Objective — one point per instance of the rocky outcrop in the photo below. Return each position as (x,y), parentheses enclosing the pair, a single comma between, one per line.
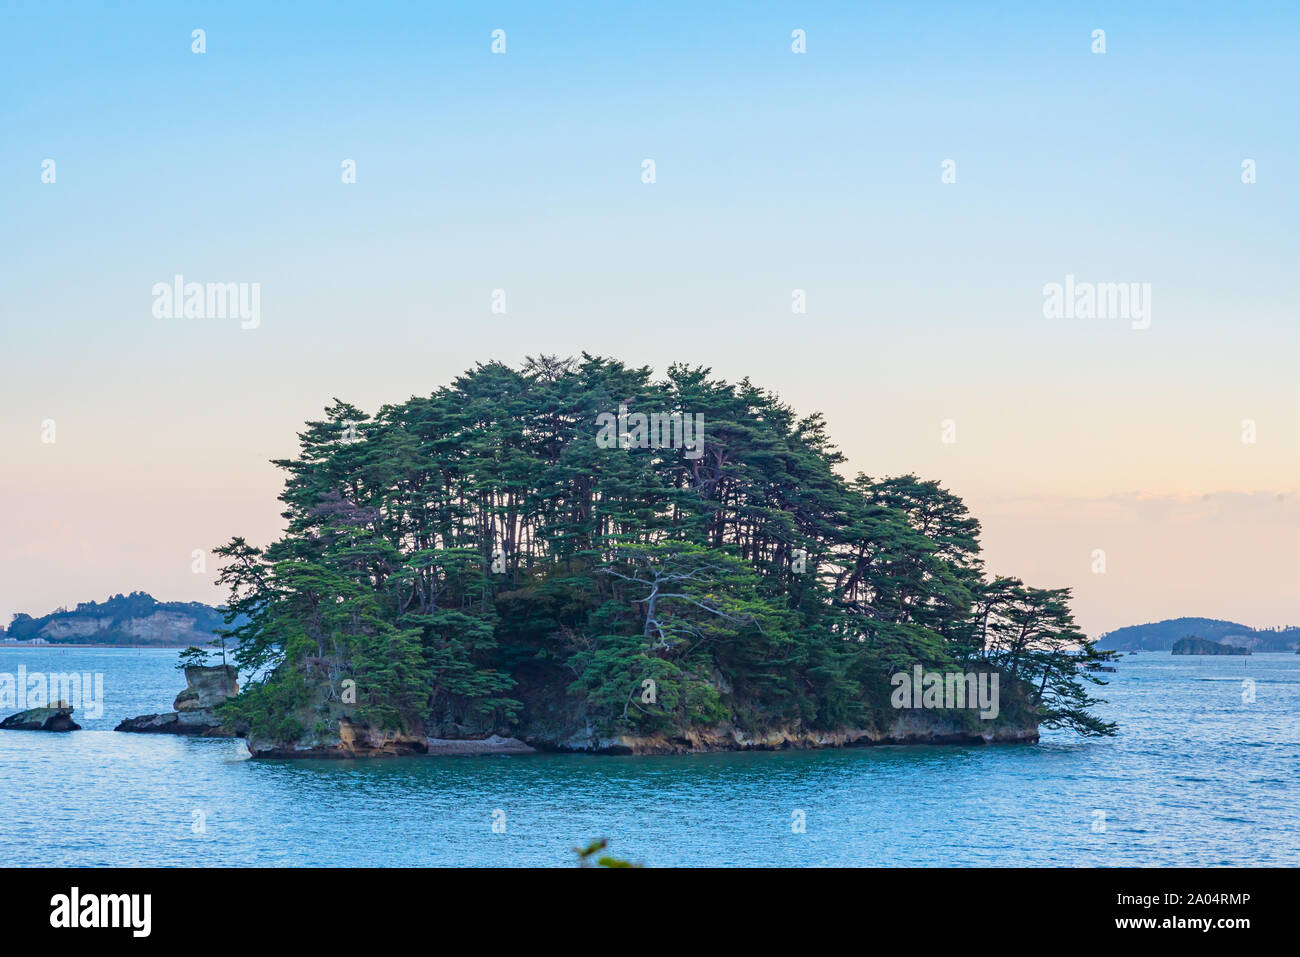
(345,736)
(172,722)
(911,727)
(206,687)
(345,739)
(360,741)
(492,744)
(55,718)
(356,740)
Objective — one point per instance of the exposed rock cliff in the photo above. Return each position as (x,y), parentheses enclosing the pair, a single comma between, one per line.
(916,727)
(909,727)
(342,739)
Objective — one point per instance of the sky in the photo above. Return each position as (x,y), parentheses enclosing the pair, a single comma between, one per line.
(1168,443)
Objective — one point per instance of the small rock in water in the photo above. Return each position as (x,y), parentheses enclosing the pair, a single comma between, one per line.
(55,718)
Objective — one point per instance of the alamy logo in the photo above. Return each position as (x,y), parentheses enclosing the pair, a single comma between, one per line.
(1098,300)
(657,430)
(23,691)
(102,910)
(946,690)
(179,299)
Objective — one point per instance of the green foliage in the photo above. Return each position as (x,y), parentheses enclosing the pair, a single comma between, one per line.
(273,710)
(191,657)
(1030,633)
(628,688)
(473,558)
(585,855)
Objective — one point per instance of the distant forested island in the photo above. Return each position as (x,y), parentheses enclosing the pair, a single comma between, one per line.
(134,619)
(1161,635)
(1192,645)
(579,556)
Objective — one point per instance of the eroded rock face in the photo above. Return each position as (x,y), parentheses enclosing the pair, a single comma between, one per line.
(345,737)
(911,727)
(55,718)
(206,687)
(492,744)
(348,741)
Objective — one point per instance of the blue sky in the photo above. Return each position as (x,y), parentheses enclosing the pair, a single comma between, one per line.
(775,171)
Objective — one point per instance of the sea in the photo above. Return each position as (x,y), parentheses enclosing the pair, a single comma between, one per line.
(1204,771)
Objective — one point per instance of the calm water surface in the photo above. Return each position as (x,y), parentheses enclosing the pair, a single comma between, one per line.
(1197,777)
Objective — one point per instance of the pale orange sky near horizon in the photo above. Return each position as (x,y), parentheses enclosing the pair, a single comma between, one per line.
(131,488)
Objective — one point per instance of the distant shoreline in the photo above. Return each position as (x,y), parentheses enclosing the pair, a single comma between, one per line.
(69,644)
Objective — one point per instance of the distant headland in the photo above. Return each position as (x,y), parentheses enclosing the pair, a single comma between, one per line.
(134,620)
(1161,635)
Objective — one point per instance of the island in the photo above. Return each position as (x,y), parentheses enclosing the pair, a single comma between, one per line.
(135,620)
(1192,645)
(1161,635)
(575,555)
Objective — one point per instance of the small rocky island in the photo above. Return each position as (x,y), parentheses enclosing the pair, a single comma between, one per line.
(195,714)
(1191,645)
(57,717)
